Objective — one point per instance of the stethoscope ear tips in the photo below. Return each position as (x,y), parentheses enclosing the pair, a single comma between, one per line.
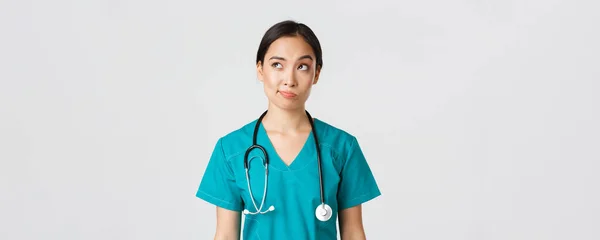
(246,211)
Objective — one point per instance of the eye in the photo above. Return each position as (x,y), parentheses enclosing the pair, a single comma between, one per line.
(276,65)
(303,67)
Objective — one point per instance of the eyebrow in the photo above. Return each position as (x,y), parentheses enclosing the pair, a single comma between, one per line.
(283,59)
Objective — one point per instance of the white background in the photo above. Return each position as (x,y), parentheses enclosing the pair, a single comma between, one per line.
(479,118)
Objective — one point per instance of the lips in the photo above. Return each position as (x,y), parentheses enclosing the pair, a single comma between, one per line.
(287,94)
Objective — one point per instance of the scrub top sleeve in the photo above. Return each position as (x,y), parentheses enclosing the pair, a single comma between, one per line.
(357,183)
(218,183)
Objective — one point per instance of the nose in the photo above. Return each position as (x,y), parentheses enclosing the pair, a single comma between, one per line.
(289,79)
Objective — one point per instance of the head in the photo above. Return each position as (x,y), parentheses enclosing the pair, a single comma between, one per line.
(288,63)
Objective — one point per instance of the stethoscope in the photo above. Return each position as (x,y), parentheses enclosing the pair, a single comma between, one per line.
(323,212)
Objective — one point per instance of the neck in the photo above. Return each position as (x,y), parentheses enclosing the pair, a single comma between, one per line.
(285,121)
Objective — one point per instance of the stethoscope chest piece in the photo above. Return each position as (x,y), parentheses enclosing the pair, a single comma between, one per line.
(323,212)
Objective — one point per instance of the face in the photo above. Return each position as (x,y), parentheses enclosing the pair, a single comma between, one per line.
(288,72)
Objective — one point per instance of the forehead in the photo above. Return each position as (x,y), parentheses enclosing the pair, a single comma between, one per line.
(292,46)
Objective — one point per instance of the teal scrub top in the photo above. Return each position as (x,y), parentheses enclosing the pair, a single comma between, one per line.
(292,190)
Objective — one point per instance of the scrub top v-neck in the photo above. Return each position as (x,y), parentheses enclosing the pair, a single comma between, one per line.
(292,190)
(306,154)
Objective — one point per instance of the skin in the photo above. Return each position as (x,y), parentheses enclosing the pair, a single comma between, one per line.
(289,66)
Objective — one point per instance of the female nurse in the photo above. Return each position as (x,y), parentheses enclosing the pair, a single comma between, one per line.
(307,176)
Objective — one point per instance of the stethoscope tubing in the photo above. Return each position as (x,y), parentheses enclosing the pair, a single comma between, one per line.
(255,145)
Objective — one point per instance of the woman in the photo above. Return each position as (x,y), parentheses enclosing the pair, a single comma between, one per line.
(293,205)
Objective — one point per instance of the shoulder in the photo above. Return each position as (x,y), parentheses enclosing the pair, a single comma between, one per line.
(236,141)
(339,140)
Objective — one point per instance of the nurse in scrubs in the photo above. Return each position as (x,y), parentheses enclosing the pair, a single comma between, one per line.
(288,63)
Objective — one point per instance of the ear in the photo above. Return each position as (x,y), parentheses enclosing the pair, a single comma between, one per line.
(259,71)
(317,73)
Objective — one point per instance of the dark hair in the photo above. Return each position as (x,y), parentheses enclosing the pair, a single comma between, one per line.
(289,28)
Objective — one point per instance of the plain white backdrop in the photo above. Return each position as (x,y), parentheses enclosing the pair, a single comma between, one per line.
(479,118)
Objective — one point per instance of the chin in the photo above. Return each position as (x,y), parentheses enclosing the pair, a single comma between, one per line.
(288,105)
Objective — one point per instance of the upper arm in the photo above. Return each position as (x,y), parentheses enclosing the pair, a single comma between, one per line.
(218,187)
(357,183)
(228,224)
(357,186)
(351,224)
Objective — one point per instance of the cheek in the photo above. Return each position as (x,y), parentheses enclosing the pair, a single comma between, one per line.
(270,85)
(271,80)
(305,78)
